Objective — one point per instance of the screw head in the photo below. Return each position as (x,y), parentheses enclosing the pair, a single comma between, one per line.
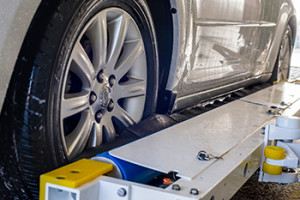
(122,192)
(98,116)
(110,106)
(93,98)
(203,155)
(100,77)
(269,112)
(176,187)
(194,191)
(283,103)
(112,80)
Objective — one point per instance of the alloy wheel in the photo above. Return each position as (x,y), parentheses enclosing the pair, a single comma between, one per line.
(105,82)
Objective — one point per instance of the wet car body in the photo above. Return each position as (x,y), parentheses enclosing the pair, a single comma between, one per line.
(226,45)
(216,46)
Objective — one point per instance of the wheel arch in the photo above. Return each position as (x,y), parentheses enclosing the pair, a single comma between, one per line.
(286,17)
(293,24)
(16,19)
(162,14)
(32,33)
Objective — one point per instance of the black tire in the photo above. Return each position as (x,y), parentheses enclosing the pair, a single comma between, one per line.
(281,69)
(32,142)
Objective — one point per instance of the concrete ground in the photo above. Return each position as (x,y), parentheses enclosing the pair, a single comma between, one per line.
(253,189)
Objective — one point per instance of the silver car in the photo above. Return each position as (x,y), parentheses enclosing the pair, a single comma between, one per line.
(75,73)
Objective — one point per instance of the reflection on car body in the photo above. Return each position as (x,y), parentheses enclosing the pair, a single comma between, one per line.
(225,43)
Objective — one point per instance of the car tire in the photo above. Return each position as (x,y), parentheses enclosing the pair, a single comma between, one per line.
(93,72)
(281,69)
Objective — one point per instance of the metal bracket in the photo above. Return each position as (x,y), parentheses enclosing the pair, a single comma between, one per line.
(282,136)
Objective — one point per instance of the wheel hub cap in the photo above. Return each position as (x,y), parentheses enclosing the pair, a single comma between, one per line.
(104,97)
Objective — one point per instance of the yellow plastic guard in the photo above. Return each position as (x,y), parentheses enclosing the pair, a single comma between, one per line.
(274,152)
(272,169)
(74,174)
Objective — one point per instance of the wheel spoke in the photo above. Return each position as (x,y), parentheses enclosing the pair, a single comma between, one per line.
(284,59)
(72,104)
(83,67)
(123,116)
(132,52)
(95,138)
(110,132)
(284,47)
(77,140)
(284,66)
(283,71)
(97,34)
(117,33)
(131,88)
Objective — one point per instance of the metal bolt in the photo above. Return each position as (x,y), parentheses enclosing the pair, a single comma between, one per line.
(288,170)
(100,77)
(93,98)
(98,116)
(173,10)
(269,112)
(263,130)
(122,192)
(194,191)
(112,80)
(176,187)
(110,106)
(283,103)
(203,155)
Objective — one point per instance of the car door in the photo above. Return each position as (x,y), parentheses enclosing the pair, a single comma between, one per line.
(228,43)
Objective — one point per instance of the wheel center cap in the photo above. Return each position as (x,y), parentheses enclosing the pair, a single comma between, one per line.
(104,96)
